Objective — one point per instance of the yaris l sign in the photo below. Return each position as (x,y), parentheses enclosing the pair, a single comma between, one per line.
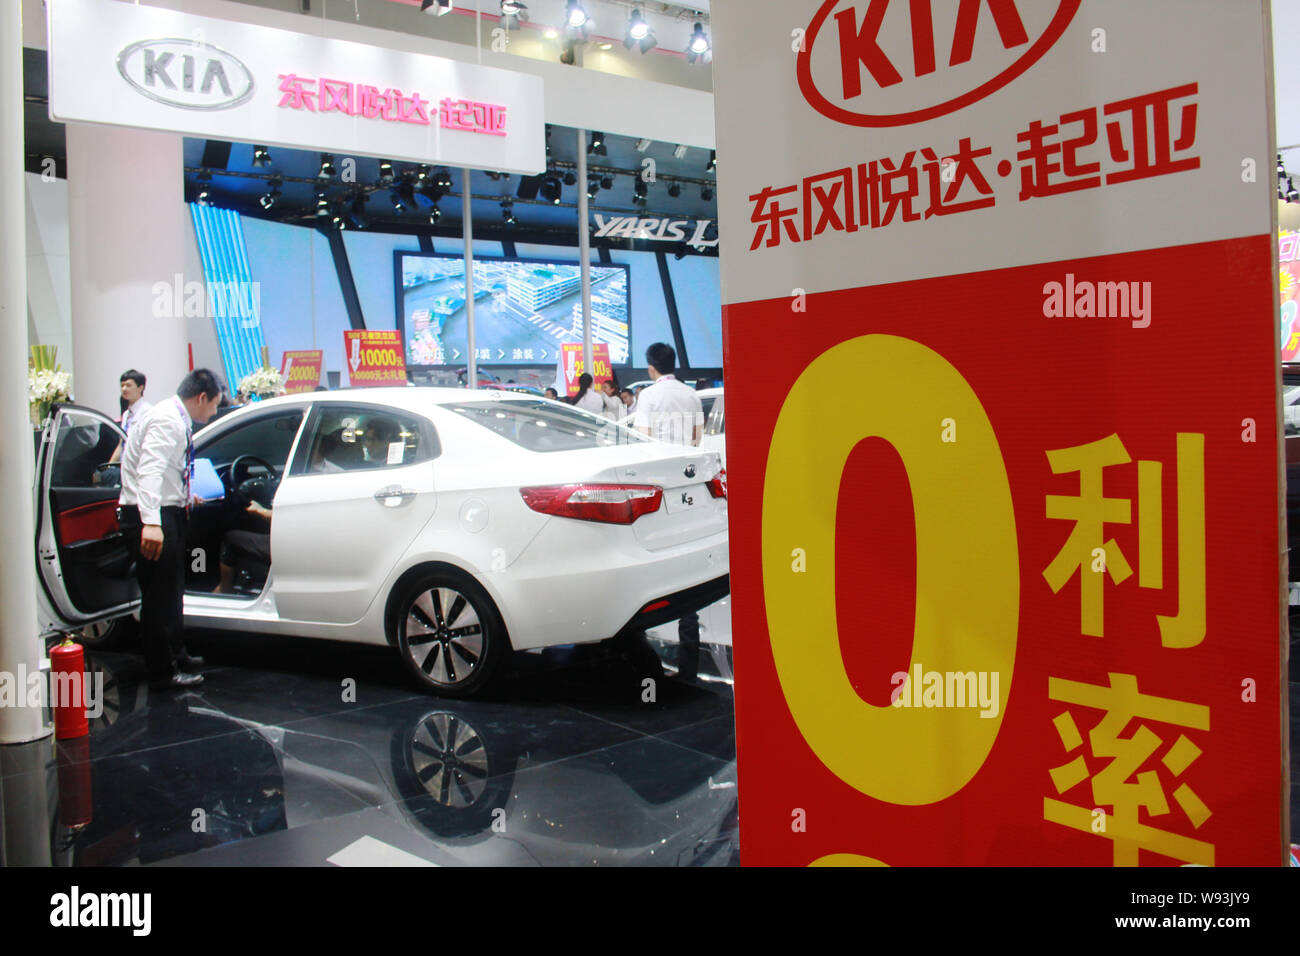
(183,73)
(883,63)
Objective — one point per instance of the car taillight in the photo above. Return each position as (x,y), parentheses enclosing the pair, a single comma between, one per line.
(613,504)
(718,484)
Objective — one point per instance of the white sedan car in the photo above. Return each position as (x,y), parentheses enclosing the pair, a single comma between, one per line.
(454,525)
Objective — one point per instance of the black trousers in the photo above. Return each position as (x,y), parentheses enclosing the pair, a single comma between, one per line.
(162,589)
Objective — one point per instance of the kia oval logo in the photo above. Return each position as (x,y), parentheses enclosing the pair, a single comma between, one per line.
(894,64)
(186,74)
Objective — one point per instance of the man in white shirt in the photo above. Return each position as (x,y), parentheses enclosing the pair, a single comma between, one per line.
(157,465)
(669,410)
(132,383)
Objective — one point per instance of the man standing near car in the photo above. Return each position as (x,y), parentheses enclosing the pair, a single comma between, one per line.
(671,411)
(134,404)
(157,465)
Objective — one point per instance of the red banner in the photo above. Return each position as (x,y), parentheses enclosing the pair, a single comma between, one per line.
(301,370)
(374,357)
(1093,562)
(571,364)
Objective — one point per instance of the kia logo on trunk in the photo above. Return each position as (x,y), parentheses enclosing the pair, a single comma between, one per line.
(883,63)
(183,73)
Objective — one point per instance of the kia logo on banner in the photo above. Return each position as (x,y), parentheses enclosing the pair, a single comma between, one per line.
(883,63)
(187,74)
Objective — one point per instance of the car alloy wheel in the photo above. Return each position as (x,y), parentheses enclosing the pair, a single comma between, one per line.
(449,634)
(449,760)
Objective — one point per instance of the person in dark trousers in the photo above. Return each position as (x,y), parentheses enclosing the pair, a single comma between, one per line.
(157,465)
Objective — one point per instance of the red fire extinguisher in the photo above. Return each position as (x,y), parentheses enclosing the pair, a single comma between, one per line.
(69,691)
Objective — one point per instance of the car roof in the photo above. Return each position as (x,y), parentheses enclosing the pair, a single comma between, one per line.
(415,399)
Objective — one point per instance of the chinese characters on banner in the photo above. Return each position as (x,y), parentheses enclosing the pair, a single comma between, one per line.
(374,357)
(322,95)
(301,370)
(1019,599)
(571,365)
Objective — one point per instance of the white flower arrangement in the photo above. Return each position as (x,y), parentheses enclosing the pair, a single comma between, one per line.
(46,386)
(264,383)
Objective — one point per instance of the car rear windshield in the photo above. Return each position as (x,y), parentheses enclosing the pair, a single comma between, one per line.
(544,425)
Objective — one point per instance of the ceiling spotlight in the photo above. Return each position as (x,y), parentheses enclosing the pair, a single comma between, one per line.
(550,34)
(205,192)
(706,193)
(698,45)
(495,177)
(674,190)
(357,211)
(552,190)
(422,173)
(386,174)
(679,152)
(597,144)
(679,251)
(570,179)
(508,212)
(434,215)
(514,13)
(322,204)
(261,157)
(327,171)
(442,179)
(605,45)
(267,201)
(439,7)
(639,192)
(1292,194)
(607,182)
(713,161)
(637,28)
(639,33)
(574,15)
(642,145)
(399,204)
(593,188)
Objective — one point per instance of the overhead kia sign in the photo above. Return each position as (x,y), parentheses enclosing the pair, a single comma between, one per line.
(879,63)
(131,65)
(183,73)
(1021,599)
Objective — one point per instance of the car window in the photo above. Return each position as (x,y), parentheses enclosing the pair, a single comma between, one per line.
(359,438)
(544,425)
(82,445)
(268,436)
(714,423)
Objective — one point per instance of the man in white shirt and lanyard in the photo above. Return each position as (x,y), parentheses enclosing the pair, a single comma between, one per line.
(157,465)
(670,411)
(132,383)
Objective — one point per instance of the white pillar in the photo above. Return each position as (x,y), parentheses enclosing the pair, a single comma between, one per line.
(20,647)
(467,234)
(126,231)
(584,252)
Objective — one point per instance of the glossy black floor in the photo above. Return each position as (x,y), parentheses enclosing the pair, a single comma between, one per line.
(573,758)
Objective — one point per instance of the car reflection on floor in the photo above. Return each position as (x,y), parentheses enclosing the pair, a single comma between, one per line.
(584,755)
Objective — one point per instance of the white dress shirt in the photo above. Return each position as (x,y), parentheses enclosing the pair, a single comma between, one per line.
(592,402)
(134,413)
(670,409)
(154,461)
(614,410)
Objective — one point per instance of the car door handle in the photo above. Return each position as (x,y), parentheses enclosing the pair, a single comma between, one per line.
(393,494)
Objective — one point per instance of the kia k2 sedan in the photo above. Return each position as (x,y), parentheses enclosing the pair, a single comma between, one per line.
(452,525)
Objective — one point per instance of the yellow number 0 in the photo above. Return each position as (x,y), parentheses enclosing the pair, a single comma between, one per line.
(967,569)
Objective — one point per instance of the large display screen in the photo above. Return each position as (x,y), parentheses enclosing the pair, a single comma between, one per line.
(524,309)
